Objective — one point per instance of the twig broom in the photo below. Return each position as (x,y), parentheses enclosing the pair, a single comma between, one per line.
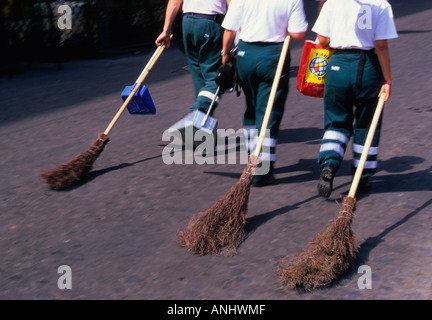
(68,174)
(221,227)
(332,252)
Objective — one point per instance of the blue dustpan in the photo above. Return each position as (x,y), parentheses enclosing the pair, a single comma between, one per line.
(141,102)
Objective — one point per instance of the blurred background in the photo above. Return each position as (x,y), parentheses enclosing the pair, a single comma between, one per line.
(29,30)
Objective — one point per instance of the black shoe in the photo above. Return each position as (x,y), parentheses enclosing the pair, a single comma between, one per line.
(265,179)
(364,185)
(325,184)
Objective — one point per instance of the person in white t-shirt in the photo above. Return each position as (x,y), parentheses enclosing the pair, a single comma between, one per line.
(202,39)
(357,74)
(261,27)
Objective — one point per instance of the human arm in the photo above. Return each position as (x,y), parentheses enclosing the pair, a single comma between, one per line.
(320,5)
(322,24)
(297,23)
(172,9)
(323,41)
(383,53)
(227,43)
(299,36)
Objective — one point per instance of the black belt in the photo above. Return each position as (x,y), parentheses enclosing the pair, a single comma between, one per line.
(361,63)
(352,51)
(215,17)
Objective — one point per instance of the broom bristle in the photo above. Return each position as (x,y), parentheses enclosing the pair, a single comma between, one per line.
(68,174)
(221,227)
(328,256)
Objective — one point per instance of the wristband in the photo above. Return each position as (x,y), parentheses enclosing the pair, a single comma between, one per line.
(223,54)
(388,82)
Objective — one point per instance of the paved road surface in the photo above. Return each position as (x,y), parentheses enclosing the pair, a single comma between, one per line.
(117,229)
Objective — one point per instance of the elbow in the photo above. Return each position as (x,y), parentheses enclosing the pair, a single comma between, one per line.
(299,36)
(381,45)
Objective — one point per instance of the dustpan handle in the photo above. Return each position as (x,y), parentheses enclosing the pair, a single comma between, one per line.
(272,96)
(366,147)
(138,83)
(210,108)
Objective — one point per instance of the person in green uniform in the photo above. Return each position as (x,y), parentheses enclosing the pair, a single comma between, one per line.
(202,39)
(261,28)
(357,74)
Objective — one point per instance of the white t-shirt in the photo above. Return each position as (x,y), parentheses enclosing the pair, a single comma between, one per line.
(205,6)
(265,20)
(355,24)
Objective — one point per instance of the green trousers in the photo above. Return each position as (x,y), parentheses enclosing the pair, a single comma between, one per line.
(350,100)
(256,66)
(202,39)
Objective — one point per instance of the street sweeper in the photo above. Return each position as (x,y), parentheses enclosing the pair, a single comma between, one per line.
(261,27)
(358,74)
(265,30)
(202,40)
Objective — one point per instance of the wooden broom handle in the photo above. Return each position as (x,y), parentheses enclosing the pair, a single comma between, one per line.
(138,83)
(272,96)
(366,147)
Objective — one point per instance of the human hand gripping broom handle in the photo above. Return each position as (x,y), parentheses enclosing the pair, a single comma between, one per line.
(272,96)
(366,147)
(138,83)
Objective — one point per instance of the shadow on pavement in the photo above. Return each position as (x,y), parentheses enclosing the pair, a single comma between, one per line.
(300,135)
(415,181)
(366,247)
(254,222)
(94,174)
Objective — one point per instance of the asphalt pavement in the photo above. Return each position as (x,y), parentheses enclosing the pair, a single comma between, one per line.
(116,230)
